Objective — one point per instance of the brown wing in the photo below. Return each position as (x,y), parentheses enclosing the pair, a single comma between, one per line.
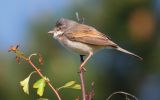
(89,35)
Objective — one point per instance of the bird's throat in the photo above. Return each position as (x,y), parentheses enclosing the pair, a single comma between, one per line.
(57,34)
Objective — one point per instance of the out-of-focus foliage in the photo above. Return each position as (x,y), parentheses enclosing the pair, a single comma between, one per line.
(133,24)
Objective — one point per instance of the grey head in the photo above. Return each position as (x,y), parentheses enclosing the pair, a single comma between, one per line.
(61,26)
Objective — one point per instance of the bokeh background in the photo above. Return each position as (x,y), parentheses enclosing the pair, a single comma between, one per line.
(133,24)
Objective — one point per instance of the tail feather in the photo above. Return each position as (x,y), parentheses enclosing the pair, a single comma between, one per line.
(125,51)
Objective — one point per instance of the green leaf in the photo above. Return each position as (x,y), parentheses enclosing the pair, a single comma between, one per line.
(25,84)
(40,85)
(68,84)
(71,84)
(76,86)
(42,99)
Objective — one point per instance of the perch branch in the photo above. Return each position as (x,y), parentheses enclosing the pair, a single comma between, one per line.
(81,73)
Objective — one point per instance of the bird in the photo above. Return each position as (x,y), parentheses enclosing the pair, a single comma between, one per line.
(83,39)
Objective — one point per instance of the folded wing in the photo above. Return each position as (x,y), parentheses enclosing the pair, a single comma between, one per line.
(89,35)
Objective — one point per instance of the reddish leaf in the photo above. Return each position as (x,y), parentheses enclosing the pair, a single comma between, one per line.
(18,59)
(13,48)
(40,59)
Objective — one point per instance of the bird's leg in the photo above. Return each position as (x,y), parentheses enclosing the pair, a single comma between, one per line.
(81,58)
(85,61)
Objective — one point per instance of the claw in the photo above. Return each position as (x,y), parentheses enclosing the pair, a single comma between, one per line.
(85,61)
(82,68)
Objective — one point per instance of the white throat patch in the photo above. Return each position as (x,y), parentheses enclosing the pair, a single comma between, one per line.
(56,34)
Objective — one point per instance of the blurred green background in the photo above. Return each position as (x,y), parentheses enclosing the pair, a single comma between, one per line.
(133,24)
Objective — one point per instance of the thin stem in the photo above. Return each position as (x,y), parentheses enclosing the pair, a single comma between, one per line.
(79,19)
(41,75)
(77,16)
(20,54)
(91,94)
(81,73)
(121,92)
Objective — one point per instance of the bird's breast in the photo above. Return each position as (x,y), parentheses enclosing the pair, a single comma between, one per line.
(78,47)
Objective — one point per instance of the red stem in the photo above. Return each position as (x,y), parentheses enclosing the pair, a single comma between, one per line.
(81,73)
(82,84)
(41,75)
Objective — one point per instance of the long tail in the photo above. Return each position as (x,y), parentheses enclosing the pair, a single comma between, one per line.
(125,51)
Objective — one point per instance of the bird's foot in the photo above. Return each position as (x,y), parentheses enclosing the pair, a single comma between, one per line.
(82,69)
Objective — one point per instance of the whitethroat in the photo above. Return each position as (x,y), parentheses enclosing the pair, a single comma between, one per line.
(83,39)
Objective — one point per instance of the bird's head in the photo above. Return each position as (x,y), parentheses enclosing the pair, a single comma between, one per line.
(61,26)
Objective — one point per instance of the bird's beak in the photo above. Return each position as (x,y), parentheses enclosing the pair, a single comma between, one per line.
(51,32)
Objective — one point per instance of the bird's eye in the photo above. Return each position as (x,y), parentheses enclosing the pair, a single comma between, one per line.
(60,28)
(58,24)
